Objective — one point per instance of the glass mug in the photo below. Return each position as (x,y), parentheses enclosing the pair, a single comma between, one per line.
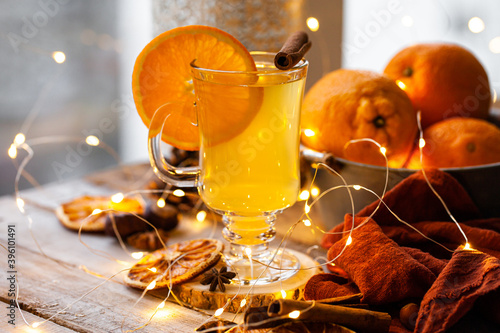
(249,159)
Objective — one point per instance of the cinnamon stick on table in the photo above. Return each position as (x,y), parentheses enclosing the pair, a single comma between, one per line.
(292,51)
(341,300)
(356,319)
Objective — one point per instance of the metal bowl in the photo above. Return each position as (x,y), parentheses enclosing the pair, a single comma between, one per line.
(481,182)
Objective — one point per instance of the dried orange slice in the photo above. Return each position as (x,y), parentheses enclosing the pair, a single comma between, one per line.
(175,264)
(162,76)
(89,212)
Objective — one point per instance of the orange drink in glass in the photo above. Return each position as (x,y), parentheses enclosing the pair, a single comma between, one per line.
(249,162)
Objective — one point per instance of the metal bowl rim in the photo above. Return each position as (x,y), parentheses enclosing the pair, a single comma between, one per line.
(383,168)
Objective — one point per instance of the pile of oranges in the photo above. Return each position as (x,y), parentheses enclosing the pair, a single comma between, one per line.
(444,84)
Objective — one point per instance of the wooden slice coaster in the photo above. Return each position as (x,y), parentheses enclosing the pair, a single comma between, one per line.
(199,296)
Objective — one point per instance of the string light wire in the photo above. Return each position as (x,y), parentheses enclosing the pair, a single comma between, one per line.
(421,147)
(26,145)
(287,235)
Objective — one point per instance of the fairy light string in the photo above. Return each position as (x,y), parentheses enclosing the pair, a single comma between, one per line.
(20,142)
(357,187)
(120,195)
(421,145)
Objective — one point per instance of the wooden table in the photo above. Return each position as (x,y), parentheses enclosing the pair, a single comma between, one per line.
(55,269)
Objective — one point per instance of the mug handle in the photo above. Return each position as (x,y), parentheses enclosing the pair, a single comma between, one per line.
(180,177)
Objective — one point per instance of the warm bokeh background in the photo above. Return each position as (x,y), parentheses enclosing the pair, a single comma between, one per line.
(89,93)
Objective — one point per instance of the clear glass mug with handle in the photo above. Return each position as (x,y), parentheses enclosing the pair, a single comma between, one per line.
(249,126)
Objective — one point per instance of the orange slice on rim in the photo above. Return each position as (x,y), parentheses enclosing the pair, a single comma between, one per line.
(174,264)
(162,81)
(89,212)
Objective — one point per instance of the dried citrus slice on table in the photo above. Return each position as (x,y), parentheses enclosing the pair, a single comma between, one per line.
(89,212)
(162,81)
(174,264)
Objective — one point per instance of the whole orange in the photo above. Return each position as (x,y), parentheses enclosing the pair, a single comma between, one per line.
(348,105)
(442,81)
(458,142)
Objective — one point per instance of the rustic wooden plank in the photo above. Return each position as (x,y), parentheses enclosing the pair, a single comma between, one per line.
(125,178)
(56,276)
(46,288)
(135,177)
(58,242)
(31,318)
(200,296)
(111,181)
(94,251)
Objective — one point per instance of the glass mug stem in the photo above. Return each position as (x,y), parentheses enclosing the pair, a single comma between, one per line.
(249,162)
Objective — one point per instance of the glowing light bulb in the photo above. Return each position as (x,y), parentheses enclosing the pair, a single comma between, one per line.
(59,57)
(283,293)
(117,198)
(243,302)
(383,150)
(401,84)
(19,139)
(179,193)
(92,140)
(314,191)
(36,324)
(494,45)
(161,305)
(294,314)
(356,187)
(309,133)
(306,222)
(137,255)
(12,152)
(218,312)
(349,241)
(476,25)
(20,204)
(153,269)
(304,195)
(152,285)
(467,246)
(96,211)
(312,23)
(248,251)
(421,143)
(307,208)
(160,203)
(201,216)
(407,21)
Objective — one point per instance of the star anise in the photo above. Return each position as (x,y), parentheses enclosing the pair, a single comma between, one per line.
(217,278)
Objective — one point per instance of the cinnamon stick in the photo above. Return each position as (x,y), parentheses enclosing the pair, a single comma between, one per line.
(292,51)
(257,317)
(358,306)
(356,319)
(349,299)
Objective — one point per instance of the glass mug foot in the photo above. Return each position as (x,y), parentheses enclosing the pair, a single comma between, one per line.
(249,254)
